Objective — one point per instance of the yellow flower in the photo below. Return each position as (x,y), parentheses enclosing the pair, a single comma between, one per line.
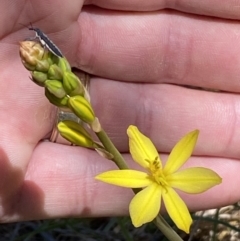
(158,182)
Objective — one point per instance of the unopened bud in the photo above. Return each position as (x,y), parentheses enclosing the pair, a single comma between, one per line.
(39,78)
(75,133)
(72,84)
(55,87)
(64,65)
(60,102)
(42,65)
(35,57)
(55,72)
(30,52)
(82,108)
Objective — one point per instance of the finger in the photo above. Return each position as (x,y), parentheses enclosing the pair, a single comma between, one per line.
(27,115)
(223,9)
(160,47)
(42,13)
(166,113)
(26,118)
(60,183)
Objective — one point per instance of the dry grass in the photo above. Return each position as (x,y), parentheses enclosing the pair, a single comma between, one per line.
(211,225)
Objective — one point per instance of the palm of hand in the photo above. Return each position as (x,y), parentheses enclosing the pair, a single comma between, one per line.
(42,179)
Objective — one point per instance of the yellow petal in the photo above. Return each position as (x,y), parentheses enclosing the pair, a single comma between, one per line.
(125,178)
(194,180)
(177,209)
(181,152)
(145,206)
(141,147)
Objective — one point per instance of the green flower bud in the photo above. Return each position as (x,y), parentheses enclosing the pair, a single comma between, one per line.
(42,65)
(72,84)
(82,108)
(60,102)
(75,133)
(28,66)
(64,65)
(54,72)
(55,87)
(39,78)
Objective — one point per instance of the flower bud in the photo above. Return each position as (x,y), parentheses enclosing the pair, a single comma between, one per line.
(42,65)
(55,87)
(30,52)
(28,66)
(35,57)
(81,108)
(39,78)
(64,65)
(72,84)
(54,72)
(60,102)
(75,133)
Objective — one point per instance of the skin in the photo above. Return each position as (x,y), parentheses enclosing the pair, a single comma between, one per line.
(140,58)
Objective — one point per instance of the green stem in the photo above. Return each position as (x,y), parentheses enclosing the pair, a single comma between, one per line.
(166,229)
(107,143)
(159,221)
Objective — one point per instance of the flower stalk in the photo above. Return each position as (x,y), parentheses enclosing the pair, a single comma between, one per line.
(109,146)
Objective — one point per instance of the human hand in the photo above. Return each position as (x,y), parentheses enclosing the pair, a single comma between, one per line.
(138,60)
